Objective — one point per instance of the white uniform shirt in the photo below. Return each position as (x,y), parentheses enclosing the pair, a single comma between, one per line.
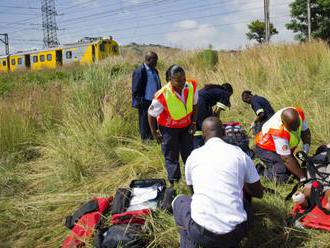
(218,172)
(156,108)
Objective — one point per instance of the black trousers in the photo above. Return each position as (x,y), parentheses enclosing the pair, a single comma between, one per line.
(192,235)
(275,168)
(144,128)
(176,141)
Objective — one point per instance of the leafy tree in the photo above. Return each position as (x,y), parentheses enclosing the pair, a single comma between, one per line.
(258,31)
(320,19)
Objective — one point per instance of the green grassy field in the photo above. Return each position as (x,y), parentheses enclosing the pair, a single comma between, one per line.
(69,135)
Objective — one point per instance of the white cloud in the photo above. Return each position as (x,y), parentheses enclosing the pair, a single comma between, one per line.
(190,34)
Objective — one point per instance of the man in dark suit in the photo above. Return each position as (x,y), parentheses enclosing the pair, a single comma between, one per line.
(145,83)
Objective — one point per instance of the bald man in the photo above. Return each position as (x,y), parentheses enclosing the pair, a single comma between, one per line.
(145,83)
(216,215)
(277,141)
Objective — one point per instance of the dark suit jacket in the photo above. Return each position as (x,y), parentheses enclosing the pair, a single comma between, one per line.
(139,82)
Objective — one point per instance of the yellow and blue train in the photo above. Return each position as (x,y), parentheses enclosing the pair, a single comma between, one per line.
(87,50)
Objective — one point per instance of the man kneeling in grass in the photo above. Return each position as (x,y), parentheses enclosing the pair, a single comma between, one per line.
(217,173)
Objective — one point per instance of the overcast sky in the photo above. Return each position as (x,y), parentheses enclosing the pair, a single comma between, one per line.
(186,24)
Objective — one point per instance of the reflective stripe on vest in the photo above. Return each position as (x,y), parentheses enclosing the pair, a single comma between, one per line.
(176,108)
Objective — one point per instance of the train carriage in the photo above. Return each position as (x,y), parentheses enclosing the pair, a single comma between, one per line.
(4,64)
(87,50)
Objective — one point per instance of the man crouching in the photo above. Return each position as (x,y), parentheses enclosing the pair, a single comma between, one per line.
(216,215)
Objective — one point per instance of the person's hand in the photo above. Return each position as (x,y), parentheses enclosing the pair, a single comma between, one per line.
(192,128)
(306,148)
(217,110)
(251,127)
(157,136)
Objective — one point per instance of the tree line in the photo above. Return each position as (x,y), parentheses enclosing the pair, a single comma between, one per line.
(320,22)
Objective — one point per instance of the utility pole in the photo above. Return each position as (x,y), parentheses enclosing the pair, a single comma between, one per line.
(309,20)
(267,23)
(5,41)
(49,25)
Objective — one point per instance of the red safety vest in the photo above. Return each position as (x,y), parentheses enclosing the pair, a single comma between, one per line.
(176,114)
(274,127)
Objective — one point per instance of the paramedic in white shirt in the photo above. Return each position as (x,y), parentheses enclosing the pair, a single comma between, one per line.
(217,173)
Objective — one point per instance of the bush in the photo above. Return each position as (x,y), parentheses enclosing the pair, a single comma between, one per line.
(207,59)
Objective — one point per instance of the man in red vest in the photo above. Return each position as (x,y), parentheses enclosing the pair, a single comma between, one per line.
(278,139)
(174,109)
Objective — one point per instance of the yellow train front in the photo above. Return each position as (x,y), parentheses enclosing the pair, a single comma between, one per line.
(87,50)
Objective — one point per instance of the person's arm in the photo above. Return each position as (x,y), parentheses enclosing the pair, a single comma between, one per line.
(254,189)
(193,119)
(153,128)
(188,168)
(305,131)
(283,149)
(293,166)
(136,83)
(223,103)
(306,138)
(261,116)
(192,128)
(252,185)
(155,109)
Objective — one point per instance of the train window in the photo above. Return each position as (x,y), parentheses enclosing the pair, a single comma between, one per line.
(49,57)
(35,59)
(4,63)
(115,49)
(42,58)
(13,61)
(19,61)
(102,47)
(68,54)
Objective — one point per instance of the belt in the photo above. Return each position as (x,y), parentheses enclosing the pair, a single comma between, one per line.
(211,234)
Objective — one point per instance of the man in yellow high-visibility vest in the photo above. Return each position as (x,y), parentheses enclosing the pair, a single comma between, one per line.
(174,109)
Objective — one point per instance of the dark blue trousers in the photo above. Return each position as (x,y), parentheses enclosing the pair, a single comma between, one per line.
(176,141)
(275,169)
(192,235)
(144,128)
(198,141)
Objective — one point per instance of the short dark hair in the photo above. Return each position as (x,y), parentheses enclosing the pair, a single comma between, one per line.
(150,54)
(168,73)
(174,69)
(228,87)
(246,92)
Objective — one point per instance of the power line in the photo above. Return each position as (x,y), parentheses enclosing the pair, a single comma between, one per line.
(155,24)
(22,14)
(18,7)
(195,28)
(20,24)
(197,17)
(159,14)
(98,14)
(76,5)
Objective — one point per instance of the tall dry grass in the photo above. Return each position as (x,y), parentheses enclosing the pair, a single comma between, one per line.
(82,134)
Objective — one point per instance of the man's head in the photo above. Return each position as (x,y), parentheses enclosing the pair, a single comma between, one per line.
(178,77)
(290,119)
(151,59)
(228,88)
(247,96)
(212,127)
